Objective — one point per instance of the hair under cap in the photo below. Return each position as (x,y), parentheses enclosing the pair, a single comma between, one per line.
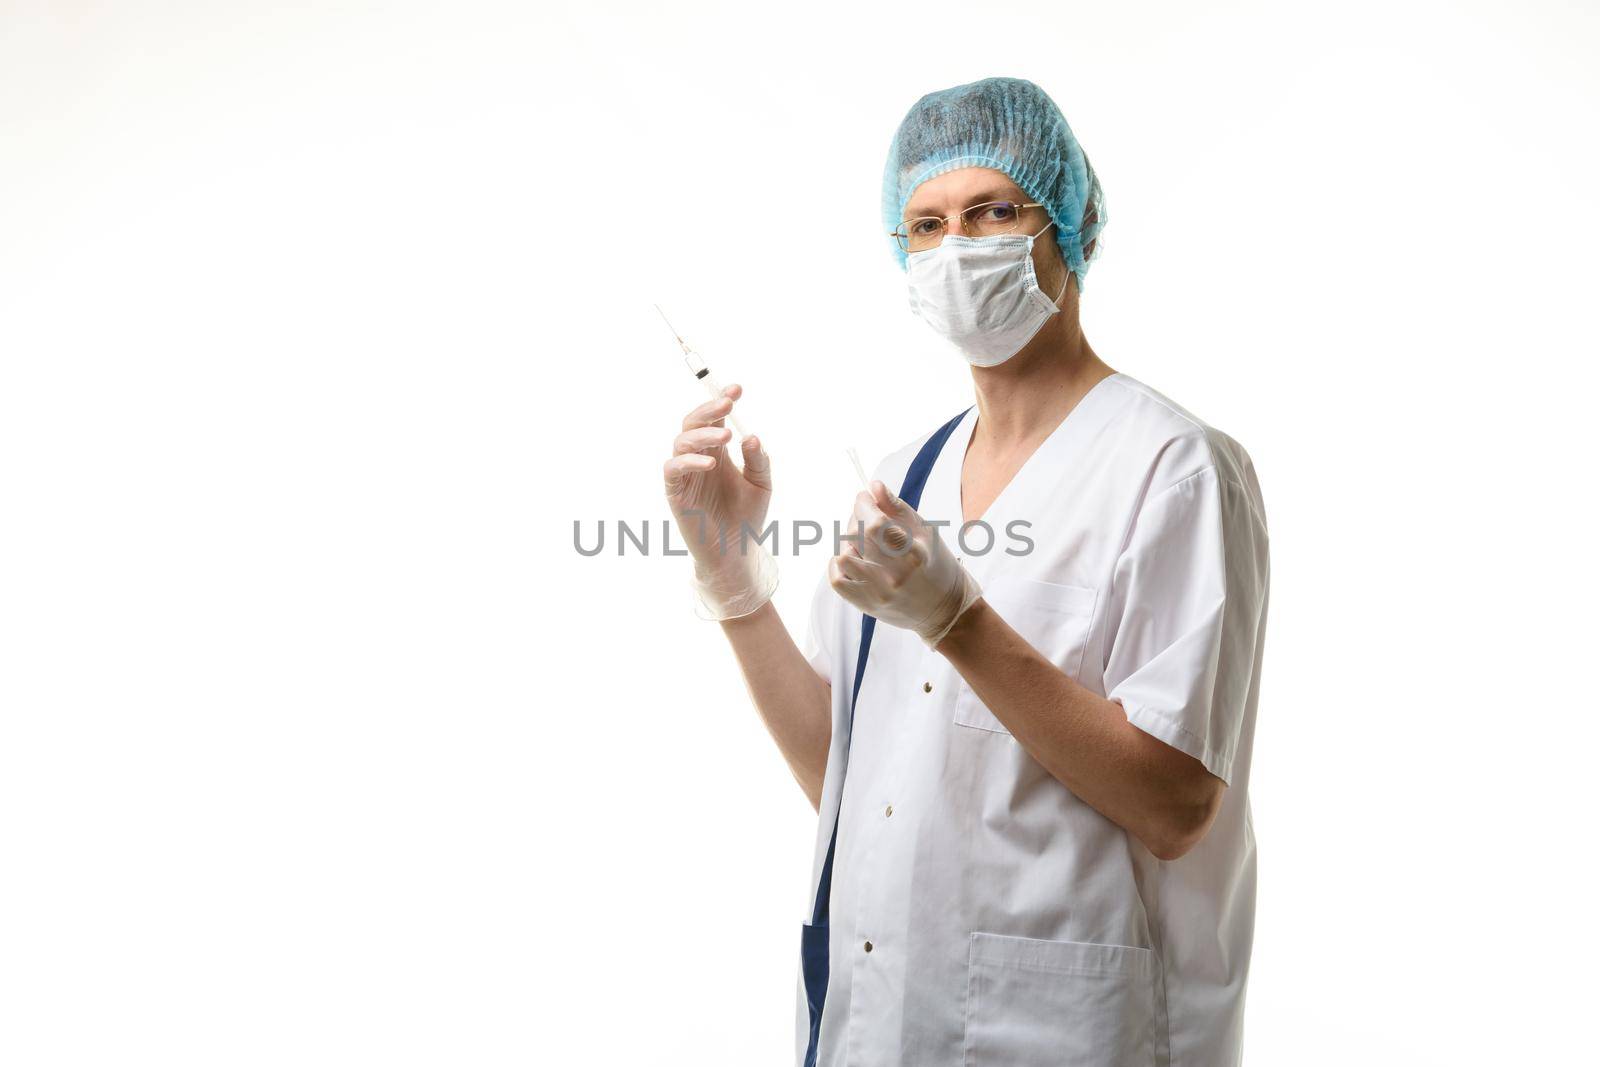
(1010,125)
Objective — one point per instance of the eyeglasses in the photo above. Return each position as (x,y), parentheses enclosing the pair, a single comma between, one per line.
(981,220)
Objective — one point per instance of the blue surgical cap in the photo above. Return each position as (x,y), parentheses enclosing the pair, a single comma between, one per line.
(1010,125)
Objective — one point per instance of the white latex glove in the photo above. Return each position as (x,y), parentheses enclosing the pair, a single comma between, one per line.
(712,500)
(901,571)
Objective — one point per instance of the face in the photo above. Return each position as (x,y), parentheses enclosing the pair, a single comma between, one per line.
(949,193)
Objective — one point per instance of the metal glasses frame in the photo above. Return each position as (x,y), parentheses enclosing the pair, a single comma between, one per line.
(904,239)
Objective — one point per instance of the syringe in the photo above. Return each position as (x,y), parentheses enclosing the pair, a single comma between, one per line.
(861,471)
(698,368)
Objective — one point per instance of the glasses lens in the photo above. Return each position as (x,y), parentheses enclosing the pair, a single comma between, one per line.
(919,234)
(998,216)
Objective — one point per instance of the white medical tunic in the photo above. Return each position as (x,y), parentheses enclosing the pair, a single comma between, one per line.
(1010,923)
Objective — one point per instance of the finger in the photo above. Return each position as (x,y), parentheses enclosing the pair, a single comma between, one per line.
(708,414)
(701,438)
(887,546)
(858,530)
(836,575)
(731,393)
(895,537)
(886,501)
(866,510)
(893,532)
(856,569)
(882,535)
(850,535)
(678,468)
(757,464)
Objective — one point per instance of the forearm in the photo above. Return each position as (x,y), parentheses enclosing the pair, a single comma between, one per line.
(795,704)
(1162,796)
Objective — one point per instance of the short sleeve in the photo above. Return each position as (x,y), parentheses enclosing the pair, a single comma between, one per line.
(1187,603)
(819,640)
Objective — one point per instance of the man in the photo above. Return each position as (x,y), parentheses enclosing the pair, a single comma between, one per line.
(1031,764)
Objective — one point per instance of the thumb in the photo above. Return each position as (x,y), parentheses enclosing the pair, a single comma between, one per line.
(757,464)
(887,502)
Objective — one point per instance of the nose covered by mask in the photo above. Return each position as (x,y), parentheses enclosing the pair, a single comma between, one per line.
(980,294)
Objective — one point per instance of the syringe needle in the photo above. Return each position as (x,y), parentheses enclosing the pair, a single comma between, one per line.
(664,318)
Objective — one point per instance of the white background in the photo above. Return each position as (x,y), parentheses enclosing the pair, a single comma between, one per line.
(321,325)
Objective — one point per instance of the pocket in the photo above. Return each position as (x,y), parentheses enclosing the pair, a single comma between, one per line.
(1052,617)
(1058,1002)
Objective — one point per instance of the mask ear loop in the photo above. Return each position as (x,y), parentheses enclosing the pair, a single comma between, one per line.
(1057,301)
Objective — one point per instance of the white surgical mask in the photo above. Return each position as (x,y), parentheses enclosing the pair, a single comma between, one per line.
(980,294)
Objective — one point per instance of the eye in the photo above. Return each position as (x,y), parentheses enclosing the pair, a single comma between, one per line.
(924,226)
(1000,211)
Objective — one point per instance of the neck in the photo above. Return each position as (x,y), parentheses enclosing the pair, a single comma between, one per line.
(1024,398)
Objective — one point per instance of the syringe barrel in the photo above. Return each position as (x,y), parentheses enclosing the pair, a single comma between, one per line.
(714,388)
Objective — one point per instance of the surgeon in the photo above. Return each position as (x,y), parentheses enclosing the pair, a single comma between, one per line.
(1030,755)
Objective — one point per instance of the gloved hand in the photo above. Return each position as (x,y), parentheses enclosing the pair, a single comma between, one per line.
(901,571)
(711,499)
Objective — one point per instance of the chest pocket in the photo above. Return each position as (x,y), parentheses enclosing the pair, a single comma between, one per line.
(1052,617)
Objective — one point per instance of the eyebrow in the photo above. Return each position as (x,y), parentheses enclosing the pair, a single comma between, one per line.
(999,193)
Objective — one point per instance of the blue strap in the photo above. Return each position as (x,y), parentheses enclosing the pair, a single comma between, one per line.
(814,936)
